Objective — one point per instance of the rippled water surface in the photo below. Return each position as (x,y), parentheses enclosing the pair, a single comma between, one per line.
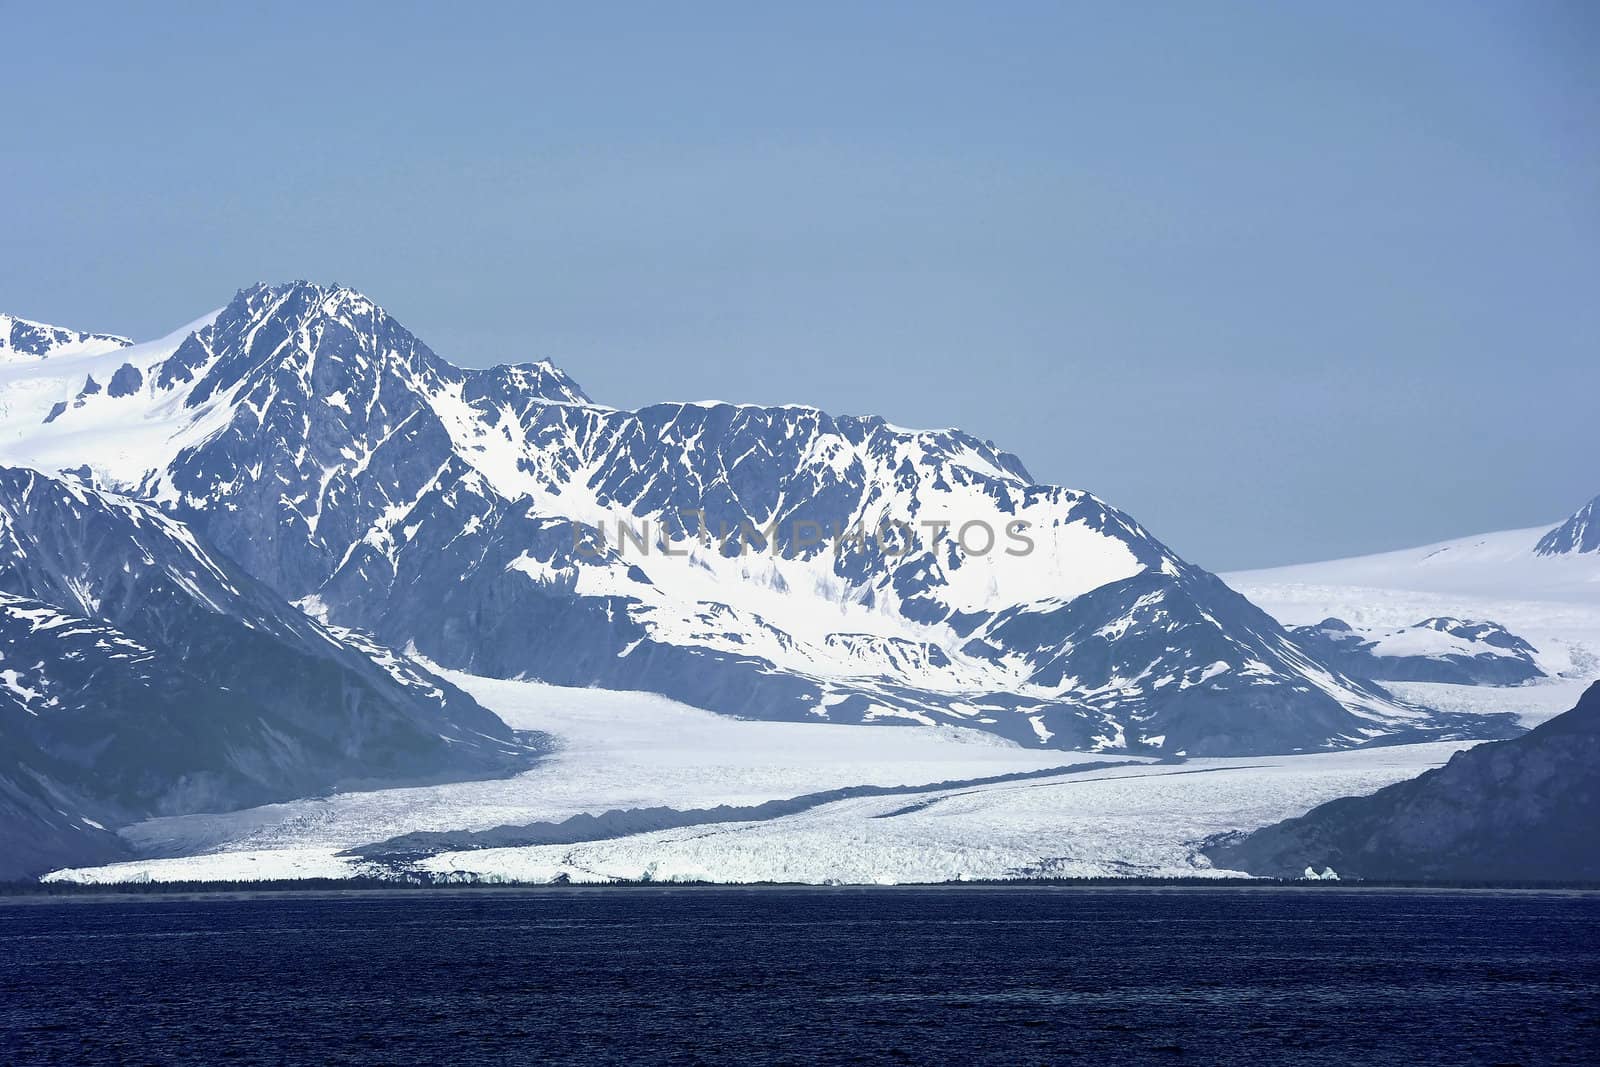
(946,975)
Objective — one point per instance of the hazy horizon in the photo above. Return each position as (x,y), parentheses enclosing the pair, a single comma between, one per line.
(1284,286)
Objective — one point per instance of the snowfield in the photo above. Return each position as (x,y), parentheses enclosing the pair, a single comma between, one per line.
(1532,704)
(1552,601)
(630,750)
(125,436)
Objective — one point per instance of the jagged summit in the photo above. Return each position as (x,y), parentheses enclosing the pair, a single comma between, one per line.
(1580,533)
(298,323)
(25,339)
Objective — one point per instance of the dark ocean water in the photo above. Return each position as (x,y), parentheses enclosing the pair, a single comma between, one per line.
(980,975)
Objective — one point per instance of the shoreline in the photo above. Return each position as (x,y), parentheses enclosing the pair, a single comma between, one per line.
(14,894)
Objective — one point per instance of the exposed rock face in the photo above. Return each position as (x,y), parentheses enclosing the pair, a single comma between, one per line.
(1518,810)
(25,339)
(1580,533)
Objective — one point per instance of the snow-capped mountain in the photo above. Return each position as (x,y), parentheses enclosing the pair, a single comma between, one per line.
(143,674)
(776,562)
(23,339)
(1440,649)
(1579,533)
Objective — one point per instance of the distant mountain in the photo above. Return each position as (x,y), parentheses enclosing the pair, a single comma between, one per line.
(1579,533)
(25,339)
(143,674)
(1440,649)
(775,562)
(1548,602)
(1518,810)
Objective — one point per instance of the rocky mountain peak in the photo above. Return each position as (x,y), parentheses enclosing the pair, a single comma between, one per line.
(1580,533)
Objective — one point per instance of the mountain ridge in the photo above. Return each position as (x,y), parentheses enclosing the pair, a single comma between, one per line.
(26,339)
(331,453)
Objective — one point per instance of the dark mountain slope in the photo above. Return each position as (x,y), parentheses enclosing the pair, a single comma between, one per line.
(1527,809)
(1579,533)
(141,674)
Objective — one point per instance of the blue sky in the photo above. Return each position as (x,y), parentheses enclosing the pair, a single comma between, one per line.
(1284,281)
